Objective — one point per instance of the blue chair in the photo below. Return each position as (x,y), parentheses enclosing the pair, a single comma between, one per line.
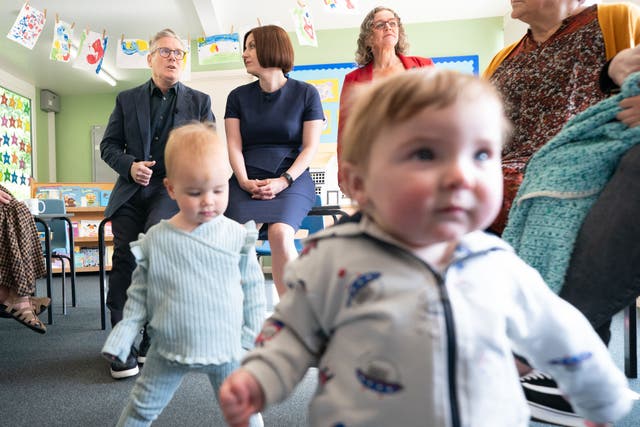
(312,223)
(61,245)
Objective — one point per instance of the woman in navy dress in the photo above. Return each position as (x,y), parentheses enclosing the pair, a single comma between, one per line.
(273,130)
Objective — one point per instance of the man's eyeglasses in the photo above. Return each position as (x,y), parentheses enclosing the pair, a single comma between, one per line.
(381,25)
(165,52)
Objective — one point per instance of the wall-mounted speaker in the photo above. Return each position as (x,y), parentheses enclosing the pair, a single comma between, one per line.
(49,101)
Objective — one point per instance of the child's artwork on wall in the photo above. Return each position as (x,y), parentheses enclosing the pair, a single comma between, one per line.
(304,25)
(28,26)
(15,143)
(61,44)
(219,49)
(132,53)
(186,62)
(341,6)
(91,52)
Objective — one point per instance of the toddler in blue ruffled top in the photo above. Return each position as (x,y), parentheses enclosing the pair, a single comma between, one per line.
(198,283)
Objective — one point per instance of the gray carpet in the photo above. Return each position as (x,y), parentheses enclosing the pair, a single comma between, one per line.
(59,379)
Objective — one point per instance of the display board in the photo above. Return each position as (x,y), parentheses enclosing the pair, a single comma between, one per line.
(16,145)
(328,79)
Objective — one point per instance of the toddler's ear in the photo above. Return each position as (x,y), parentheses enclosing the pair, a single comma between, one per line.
(354,185)
(169,187)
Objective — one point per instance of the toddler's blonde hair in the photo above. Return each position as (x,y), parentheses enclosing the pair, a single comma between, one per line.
(195,142)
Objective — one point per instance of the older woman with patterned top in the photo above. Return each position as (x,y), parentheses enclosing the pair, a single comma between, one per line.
(573,53)
(21,263)
(554,72)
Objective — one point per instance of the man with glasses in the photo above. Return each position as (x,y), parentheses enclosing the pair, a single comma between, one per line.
(133,145)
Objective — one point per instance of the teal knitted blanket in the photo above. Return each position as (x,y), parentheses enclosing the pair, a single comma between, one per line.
(563,180)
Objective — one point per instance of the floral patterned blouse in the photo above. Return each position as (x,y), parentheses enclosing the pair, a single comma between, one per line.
(545,84)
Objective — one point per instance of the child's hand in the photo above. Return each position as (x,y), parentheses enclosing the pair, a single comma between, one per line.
(592,424)
(240,397)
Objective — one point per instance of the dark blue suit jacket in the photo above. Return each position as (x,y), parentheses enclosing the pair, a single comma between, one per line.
(128,135)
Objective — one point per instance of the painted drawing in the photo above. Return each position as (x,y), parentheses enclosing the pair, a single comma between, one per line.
(61,44)
(341,6)
(186,62)
(132,53)
(219,49)
(91,52)
(28,26)
(304,25)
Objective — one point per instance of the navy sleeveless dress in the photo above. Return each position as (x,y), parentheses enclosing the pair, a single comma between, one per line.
(271,129)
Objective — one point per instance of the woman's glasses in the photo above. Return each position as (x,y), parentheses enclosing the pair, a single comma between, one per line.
(381,25)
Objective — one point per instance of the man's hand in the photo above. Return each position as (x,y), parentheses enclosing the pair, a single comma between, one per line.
(141,172)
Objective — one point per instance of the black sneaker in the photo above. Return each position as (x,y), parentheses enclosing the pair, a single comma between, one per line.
(128,369)
(546,402)
(144,347)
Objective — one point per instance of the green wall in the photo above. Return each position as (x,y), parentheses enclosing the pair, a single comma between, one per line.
(78,113)
(73,134)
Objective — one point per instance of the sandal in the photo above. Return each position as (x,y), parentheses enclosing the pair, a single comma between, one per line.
(38,304)
(26,316)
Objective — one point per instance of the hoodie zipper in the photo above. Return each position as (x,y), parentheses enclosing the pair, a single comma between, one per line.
(452,353)
(449,329)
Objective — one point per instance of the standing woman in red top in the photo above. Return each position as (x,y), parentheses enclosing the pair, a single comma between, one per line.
(382,45)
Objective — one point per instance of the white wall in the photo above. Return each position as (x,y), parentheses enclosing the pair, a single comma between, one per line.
(218,84)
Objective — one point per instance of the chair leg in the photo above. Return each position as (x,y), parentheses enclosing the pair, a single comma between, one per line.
(62,258)
(73,282)
(64,287)
(72,271)
(630,341)
(64,283)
